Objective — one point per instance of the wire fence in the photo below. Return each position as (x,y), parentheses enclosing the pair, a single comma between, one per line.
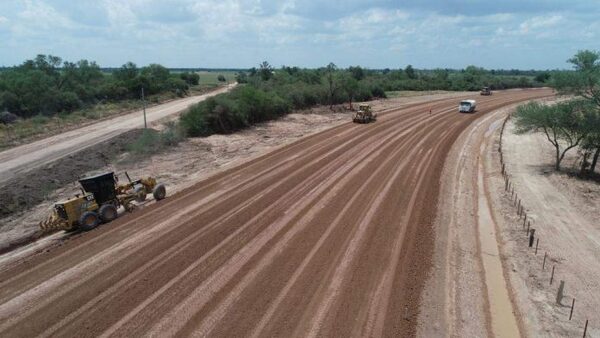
(533,237)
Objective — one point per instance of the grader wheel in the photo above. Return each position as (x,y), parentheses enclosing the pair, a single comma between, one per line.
(88,221)
(159,192)
(140,193)
(108,213)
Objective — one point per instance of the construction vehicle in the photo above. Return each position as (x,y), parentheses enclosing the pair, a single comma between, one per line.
(486,91)
(467,106)
(364,114)
(99,202)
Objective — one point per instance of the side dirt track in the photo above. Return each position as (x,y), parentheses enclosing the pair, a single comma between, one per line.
(331,235)
(21,159)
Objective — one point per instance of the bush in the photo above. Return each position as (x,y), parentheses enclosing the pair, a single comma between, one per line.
(226,113)
(67,101)
(191,79)
(152,141)
(7,117)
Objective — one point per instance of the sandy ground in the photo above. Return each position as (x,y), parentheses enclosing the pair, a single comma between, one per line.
(21,159)
(565,212)
(338,227)
(180,167)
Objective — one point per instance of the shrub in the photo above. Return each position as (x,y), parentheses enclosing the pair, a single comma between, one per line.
(8,117)
(152,141)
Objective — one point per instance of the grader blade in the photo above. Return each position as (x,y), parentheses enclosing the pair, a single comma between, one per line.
(53,222)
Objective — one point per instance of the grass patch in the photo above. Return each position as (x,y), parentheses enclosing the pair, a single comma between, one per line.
(212,77)
(153,141)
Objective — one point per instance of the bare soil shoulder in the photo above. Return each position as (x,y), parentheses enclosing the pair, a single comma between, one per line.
(564,211)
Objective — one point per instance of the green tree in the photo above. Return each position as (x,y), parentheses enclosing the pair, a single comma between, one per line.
(154,78)
(357,72)
(265,71)
(330,77)
(350,86)
(410,72)
(190,78)
(585,83)
(542,77)
(563,124)
(127,72)
(241,77)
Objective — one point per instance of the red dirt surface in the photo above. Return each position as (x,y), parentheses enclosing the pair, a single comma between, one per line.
(328,236)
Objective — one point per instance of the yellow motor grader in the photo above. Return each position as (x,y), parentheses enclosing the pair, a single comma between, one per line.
(101,197)
(364,114)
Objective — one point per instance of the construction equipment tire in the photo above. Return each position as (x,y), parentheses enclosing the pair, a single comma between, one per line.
(159,192)
(108,213)
(140,193)
(88,221)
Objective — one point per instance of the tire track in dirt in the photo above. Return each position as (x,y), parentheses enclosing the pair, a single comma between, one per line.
(205,326)
(256,247)
(64,290)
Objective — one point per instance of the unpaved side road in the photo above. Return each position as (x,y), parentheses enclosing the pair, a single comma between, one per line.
(18,160)
(328,236)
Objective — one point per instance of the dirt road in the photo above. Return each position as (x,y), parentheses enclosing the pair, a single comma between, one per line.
(330,235)
(18,160)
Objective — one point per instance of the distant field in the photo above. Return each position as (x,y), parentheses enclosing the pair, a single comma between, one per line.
(210,77)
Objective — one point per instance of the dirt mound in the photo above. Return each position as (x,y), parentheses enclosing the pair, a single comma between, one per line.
(28,190)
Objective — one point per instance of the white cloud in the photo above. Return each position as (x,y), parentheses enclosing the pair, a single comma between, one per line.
(234,32)
(540,22)
(39,16)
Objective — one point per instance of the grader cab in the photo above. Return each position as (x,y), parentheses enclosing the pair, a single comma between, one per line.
(101,197)
(364,114)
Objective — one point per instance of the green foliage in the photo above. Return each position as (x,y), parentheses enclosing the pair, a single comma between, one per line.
(585,80)
(265,71)
(410,72)
(47,85)
(192,79)
(226,113)
(221,78)
(565,124)
(542,77)
(585,83)
(241,77)
(152,141)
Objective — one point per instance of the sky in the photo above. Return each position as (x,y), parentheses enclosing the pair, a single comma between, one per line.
(521,34)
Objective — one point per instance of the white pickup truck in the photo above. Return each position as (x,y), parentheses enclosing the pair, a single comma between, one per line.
(467,106)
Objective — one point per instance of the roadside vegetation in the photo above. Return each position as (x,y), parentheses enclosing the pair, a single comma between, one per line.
(573,124)
(152,141)
(46,94)
(267,93)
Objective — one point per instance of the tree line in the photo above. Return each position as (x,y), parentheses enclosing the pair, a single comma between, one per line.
(48,85)
(267,93)
(574,123)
